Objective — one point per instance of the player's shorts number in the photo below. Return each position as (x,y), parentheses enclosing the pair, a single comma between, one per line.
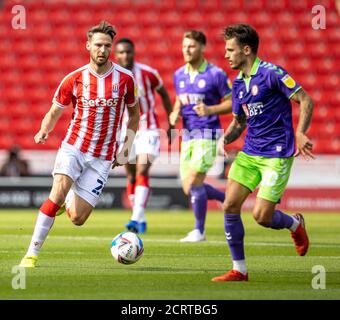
(153,140)
(98,189)
(270,178)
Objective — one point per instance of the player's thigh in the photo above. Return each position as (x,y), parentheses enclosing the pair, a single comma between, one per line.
(236,194)
(144,163)
(275,175)
(67,168)
(244,171)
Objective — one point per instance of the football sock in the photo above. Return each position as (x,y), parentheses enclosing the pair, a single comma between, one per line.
(130,191)
(234,232)
(214,194)
(240,265)
(43,225)
(281,220)
(199,202)
(142,192)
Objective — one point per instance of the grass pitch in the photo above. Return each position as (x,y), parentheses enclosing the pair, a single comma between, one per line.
(75,262)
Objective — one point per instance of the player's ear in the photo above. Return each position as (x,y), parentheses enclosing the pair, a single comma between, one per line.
(88,45)
(246,50)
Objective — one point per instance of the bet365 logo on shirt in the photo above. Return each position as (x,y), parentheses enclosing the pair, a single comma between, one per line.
(252,109)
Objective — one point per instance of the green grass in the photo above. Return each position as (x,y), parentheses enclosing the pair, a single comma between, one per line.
(75,262)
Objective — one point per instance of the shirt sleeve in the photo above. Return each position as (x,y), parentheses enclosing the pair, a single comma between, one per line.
(63,96)
(156,80)
(236,106)
(131,92)
(223,84)
(175,84)
(280,80)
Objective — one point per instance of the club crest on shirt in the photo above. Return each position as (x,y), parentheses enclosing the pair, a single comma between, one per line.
(288,81)
(254,90)
(115,87)
(181,84)
(240,95)
(201,83)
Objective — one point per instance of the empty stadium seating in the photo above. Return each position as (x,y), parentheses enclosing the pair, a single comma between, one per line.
(35,60)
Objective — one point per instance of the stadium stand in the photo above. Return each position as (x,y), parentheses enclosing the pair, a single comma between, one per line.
(34,60)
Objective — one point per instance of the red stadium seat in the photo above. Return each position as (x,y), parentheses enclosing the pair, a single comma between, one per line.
(53,45)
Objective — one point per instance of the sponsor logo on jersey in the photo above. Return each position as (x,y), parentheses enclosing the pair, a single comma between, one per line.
(288,81)
(252,109)
(99,102)
(191,98)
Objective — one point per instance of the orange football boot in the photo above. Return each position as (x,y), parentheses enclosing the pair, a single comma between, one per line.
(232,275)
(300,236)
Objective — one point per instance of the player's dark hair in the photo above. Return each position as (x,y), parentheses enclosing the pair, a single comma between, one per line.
(102,27)
(199,36)
(125,40)
(245,35)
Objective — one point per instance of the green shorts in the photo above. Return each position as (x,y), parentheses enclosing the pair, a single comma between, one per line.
(273,173)
(197,155)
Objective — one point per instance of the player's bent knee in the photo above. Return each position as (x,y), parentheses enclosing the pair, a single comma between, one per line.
(261,218)
(231,206)
(77,221)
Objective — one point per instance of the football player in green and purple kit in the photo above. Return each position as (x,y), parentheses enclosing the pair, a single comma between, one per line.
(261,96)
(203,91)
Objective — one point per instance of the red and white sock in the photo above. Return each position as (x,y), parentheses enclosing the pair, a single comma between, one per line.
(130,191)
(142,193)
(43,225)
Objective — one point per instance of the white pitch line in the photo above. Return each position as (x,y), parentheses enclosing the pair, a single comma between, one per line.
(208,242)
(50,252)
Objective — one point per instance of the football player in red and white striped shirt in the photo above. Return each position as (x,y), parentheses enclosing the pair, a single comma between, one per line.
(99,93)
(147,143)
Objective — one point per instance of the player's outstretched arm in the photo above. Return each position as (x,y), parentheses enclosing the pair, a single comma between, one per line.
(48,124)
(131,129)
(224,107)
(303,144)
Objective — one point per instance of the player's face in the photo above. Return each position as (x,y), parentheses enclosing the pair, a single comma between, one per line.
(234,54)
(125,55)
(100,47)
(192,50)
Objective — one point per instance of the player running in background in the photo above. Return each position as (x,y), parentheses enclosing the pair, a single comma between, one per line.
(146,146)
(202,92)
(261,97)
(98,92)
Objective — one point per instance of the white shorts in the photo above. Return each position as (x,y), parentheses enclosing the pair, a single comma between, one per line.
(88,173)
(146,142)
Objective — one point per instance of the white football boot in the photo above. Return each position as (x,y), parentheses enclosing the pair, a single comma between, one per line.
(194,236)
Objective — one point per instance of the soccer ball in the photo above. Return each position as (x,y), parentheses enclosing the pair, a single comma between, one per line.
(127,248)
